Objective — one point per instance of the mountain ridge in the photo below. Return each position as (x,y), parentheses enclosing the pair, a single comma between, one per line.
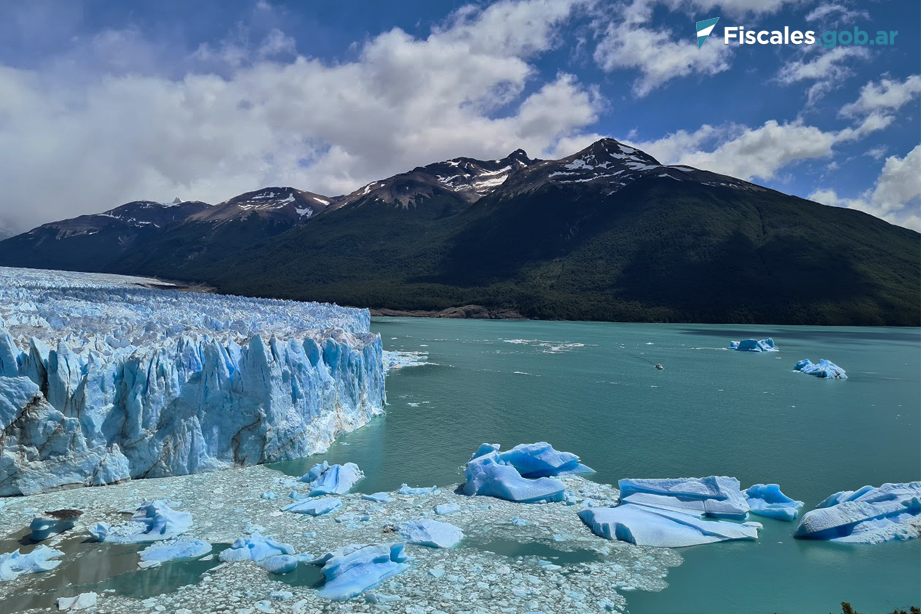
(607,233)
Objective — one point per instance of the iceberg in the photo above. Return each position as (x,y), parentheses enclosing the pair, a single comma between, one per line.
(431,533)
(254,547)
(824,369)
(351,570)
(279,564)
(182,549)
(870,515)
(326,479)
(753,345)
(406,489)
(153,521)
(767,500)
(714,496)
(314,507)
(135,382)
(83,601)
(445,509)
(520,474)
(52,523)
(14,564)
(662,528)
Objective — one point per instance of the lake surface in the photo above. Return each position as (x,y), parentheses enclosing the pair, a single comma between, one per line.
(592,389)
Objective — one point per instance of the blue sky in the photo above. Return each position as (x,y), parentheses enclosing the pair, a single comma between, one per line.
(106,102)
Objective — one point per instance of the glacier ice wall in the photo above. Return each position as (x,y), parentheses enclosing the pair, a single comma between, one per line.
(103,378)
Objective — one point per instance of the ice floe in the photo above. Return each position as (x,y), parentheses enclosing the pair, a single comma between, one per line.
(174,550)
(869,515)
(824,369)
(754,345)
(15,564)
(400,360)
(254,547)
(153,521)
(661,527)
(315,507)
(326,479)
(767,500)
(432,533)
(351,570)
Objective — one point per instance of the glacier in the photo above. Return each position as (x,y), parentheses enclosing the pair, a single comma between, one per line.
(105,378)
(870,515)
(824,369)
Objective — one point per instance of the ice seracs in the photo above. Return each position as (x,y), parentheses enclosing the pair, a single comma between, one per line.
(869,515)
(825,369)
(754,345)
(103,379)
(351,570)
(767,500)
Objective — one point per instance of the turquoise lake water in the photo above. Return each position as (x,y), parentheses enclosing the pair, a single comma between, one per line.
(592,389)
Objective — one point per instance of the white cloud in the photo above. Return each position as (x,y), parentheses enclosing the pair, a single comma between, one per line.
(469,88)
(835,14)
(885,95)
(827,71)
(896,196)
(629,42)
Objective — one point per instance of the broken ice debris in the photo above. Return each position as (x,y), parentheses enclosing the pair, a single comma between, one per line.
(182,549)
(406,489)
(753,345)
(445,509)
(715,496)
(314,507)
(15,564)
(326,479)
(51,523)
(768,500)
(157,522)
(83,601)
(378,497)
(870,515)
(520,474)
(99,531)
(663,528)
(824,369)
(432,533)
(351,570)
(254,547)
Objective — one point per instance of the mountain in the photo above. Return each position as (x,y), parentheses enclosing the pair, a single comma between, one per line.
(608,233)
(275,205)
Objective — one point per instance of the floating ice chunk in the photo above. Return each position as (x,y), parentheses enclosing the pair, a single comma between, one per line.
(824,369)
(279,564)
(646,526)
(867,516)
(486,476)
(158,522)
(326,479)
(405,489)
(83,601)
(768,500)
(534,460)
(447,508)
(254,547)
(753,345)
(714,496)
(51,523)
(314,507)
(182,549)
(378,497)
(351,570)
(269,496)
(15,564)
(99,531)
(432,533)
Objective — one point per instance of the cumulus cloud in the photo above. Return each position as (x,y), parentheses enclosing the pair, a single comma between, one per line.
(826,72)
(468,88)
(896,196)
(630,42)
(884,95)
